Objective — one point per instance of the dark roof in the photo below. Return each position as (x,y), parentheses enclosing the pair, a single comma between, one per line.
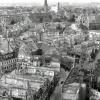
(40,17)
(38,52)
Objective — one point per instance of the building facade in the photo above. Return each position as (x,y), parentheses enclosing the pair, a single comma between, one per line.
(8,61)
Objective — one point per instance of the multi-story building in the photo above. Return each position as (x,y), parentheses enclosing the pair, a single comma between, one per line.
(22,86)
(94,35)
(94,22)
(29,83)
(74,88)
(8,62)
(8,59)
(74,91)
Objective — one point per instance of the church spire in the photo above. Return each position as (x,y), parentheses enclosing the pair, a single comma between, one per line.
(58,6)
(45,6)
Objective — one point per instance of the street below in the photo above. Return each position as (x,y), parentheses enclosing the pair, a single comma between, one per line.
(58,90)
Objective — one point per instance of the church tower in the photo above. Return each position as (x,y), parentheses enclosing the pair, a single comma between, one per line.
(58,7)
(45,6)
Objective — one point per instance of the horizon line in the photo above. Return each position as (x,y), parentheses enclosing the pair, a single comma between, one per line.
(39,4)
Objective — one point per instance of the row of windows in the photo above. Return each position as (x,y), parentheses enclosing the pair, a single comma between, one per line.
(9,55)
(9,67)
(9,61)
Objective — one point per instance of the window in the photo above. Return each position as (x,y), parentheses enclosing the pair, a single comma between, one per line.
(7,56)
(4,62)
(62,82)
(7,62)
(11,61)
(12,66)
(15,59)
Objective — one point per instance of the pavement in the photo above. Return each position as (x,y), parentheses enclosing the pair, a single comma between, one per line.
(58,90)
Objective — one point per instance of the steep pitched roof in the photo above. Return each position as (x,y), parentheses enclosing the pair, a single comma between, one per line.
(28,47)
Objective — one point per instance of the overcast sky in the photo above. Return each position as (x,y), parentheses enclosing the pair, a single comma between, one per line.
(42,1)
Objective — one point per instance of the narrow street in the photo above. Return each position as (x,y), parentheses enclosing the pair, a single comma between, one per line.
(57,93)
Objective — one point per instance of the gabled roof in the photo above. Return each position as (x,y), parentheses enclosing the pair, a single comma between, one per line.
(28,47)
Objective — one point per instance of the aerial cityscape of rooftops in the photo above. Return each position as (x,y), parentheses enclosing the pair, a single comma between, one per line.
(50,52)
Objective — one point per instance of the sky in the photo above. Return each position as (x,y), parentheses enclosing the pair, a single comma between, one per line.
(42,1)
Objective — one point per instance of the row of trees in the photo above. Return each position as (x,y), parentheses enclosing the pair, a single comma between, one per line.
(47,89)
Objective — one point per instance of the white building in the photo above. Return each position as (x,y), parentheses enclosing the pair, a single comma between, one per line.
(94,35)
